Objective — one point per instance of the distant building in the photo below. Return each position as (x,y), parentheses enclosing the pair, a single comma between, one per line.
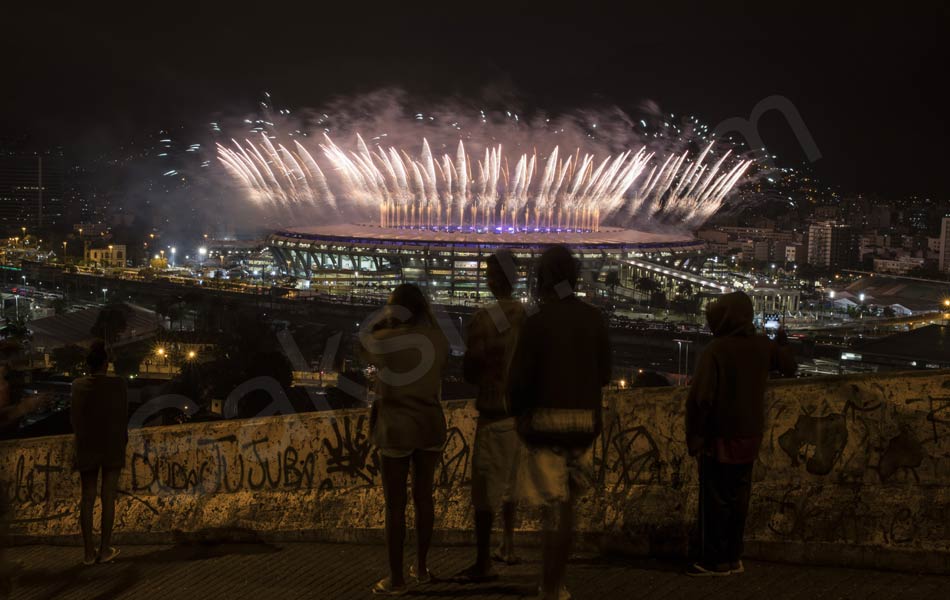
(879,217)
(944,252)
(713,235)
(776,301)
(899,266)
(827,212)
(755,250)
(113,255)
(31,191)
(792,252)
(832,245)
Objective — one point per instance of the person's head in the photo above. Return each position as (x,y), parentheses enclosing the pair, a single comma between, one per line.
(557,273)
(97,359)
(500,273)
(731,314)
(411,298)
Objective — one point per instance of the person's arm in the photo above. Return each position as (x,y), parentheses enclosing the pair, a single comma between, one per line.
(604,358)
(124,409)
(522,374)
(474,360)
(700,402)
(782,357)
(75,409)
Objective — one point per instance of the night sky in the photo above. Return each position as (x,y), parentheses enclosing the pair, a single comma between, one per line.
(869,84)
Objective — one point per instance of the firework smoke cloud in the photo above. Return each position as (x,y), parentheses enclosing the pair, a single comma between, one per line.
(469,169)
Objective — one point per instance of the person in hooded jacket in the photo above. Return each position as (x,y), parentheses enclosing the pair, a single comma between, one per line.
(725,420)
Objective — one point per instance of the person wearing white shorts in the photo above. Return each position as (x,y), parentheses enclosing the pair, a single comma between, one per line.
(492,335)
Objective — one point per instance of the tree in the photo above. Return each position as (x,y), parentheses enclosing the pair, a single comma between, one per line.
(129,360)
(648,286)
(68,360)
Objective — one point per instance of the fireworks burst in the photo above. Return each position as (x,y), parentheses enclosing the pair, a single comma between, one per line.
(492,192)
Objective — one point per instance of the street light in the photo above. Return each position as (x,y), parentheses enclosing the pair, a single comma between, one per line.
(104,290)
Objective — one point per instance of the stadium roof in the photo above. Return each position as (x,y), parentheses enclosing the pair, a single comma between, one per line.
(76,327)
(927,346)
(916,295)
(606,237)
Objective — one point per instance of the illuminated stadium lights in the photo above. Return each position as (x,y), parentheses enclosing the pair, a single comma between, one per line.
(362,260)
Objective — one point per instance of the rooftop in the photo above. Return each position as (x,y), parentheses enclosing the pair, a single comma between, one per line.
(606,236)
(925,345)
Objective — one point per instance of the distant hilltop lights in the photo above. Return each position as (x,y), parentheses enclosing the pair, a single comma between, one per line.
(495,191)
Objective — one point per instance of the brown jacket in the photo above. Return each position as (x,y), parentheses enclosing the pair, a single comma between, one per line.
(407,414)
(727,395)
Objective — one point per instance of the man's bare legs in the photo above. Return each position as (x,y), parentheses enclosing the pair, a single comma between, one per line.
(557,538)
(506,550)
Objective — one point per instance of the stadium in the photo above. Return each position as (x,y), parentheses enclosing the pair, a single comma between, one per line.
(382,216)
(368,260)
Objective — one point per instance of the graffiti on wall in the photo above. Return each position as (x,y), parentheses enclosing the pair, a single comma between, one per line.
(864,461)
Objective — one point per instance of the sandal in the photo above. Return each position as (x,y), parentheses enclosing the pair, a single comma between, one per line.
(562,593)
(385,587)
(510,560)
(105,559)
(424,578)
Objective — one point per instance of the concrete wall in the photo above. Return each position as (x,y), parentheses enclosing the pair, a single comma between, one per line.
(854,470)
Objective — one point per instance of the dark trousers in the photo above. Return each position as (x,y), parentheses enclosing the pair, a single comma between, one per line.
(725,490)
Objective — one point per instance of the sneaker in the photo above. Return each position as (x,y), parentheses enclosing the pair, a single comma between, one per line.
(736,568)
(385,587)
(699,570)
(424,578)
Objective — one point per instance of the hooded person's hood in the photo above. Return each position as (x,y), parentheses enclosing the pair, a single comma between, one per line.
(731,315)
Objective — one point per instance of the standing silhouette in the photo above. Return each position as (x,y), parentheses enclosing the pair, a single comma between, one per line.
(99,416)
(492,335)
(725,419)
(407,423)
(10,415)
(560,365)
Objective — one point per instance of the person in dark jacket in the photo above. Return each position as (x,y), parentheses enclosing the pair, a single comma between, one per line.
(491,339)
(407,423)
(725,420)
(561,362)
(10,415)
(99,416)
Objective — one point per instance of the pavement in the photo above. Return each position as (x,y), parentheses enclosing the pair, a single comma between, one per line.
(261,571)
